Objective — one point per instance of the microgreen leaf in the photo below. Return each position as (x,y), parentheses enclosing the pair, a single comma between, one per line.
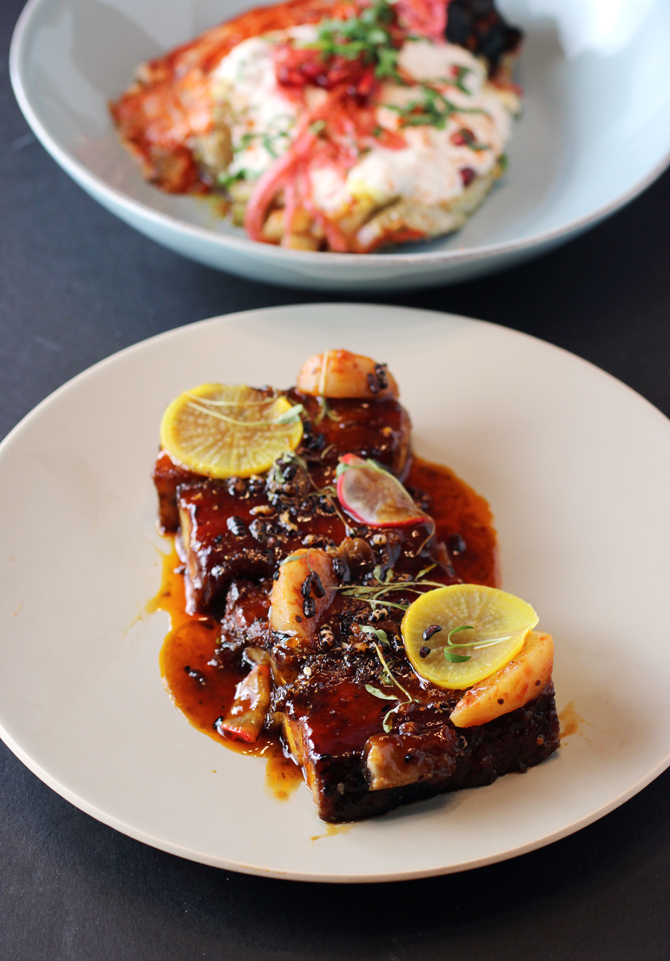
(449,654)
(377,693)
(455,658)
(386,723)
(291,557)
(227,180)
(381,636)
(290,416)
(458,630)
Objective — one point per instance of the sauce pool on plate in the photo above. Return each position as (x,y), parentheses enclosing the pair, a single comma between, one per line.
(200,678)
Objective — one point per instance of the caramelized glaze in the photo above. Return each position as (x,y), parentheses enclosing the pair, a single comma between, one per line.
(201,678)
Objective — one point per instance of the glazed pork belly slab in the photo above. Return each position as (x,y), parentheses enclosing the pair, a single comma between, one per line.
(358,766)
(379,429)
(357,770)
(244,527)
(368,733)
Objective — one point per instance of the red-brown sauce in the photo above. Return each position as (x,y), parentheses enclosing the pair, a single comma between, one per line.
(569,720)
(190,646)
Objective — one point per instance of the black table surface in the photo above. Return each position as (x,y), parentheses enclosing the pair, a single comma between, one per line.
(77,285)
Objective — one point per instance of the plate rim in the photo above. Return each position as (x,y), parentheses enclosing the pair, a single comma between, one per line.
(254,869)
(97,188)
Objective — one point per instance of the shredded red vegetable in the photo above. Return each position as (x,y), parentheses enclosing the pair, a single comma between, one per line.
(342,127)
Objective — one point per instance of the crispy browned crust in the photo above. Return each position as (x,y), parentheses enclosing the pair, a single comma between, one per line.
(428,755)
(154,117)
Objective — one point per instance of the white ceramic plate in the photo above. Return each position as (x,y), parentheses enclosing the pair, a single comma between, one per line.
(596,131)
(575,466)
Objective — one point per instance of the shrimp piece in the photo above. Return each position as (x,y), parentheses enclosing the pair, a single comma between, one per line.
(340,374)
(513,686)
(301,595)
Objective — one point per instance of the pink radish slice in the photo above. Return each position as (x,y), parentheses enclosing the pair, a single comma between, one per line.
(373,496)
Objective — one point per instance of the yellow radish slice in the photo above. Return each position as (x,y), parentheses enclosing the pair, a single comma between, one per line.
(456,636)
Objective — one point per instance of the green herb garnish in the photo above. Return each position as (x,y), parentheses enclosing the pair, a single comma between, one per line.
(387,679)
(288,417)
(365,37)
(459,77)
(227,180)
(374,595)
(449,653)
(434,110)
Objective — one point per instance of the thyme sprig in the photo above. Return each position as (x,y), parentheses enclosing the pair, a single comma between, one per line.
(387,678)
(373,594)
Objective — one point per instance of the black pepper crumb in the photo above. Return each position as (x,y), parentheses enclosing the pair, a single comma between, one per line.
(456,544)
(317,586)
(381,375)
(236,526)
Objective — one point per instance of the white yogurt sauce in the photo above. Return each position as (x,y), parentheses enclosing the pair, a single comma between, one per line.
(427,171)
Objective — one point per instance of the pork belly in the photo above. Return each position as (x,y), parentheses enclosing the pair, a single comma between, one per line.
(379,429)
(294,583)
(355,769)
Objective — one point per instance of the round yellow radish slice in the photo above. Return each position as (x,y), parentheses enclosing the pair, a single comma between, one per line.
(220,430)
(456,636)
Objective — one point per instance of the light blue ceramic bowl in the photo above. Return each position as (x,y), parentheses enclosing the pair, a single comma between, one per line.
(595,132)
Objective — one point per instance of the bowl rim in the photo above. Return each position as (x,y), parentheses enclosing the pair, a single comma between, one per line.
(98,187)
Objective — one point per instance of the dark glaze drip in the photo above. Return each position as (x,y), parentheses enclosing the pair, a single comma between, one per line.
(201,675)
(192,643)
